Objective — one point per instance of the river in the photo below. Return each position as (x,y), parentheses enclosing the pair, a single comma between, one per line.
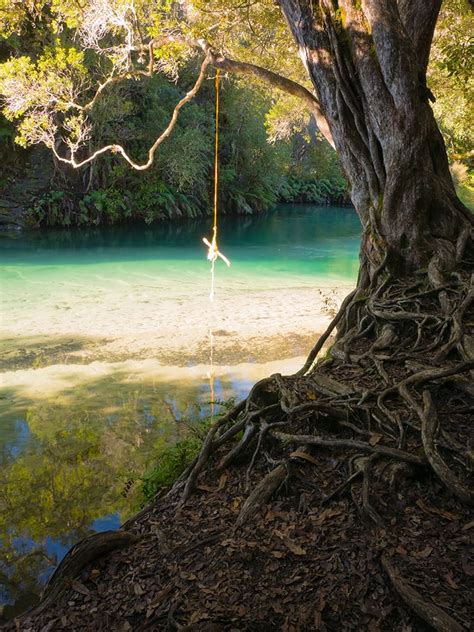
(110,346)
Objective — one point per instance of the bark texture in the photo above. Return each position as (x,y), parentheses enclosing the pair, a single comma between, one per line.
(367,60)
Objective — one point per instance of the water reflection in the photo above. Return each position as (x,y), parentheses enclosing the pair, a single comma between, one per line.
(66,459)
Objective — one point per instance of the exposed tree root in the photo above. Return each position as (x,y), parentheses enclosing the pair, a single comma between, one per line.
(81,554)
(397,315)
(261,493)
(351,445)
(430,613)
(429,423)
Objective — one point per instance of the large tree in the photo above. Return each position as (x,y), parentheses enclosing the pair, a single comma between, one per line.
(393,389)
(368,63)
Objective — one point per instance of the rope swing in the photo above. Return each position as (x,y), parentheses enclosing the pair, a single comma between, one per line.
(213,252)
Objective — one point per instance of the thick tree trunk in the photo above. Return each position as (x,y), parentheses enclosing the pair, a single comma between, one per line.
(367,60)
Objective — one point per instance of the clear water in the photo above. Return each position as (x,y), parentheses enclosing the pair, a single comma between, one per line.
(80,419)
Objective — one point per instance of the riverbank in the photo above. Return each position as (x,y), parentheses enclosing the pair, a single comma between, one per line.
(107,358)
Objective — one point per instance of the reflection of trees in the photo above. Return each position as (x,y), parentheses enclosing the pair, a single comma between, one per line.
(72,467)
(20,568)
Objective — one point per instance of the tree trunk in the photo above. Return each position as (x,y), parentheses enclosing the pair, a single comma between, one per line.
(367,60)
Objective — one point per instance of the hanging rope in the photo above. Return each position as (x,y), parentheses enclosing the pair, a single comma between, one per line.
(213,252)
(210,374)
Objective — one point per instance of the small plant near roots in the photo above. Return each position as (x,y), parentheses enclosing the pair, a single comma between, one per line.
(172,460)
(171,463)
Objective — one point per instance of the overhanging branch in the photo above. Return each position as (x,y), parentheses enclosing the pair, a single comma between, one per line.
(275,80)
(118,149)
(211,58)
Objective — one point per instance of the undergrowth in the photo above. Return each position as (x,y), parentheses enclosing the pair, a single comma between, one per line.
(172,460)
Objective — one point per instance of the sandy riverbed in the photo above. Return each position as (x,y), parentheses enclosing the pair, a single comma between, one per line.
(247,325)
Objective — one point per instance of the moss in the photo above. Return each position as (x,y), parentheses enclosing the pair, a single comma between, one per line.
(340,18)
(328,354)
(372,50)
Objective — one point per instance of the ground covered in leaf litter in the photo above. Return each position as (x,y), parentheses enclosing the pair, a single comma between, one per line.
(301,565)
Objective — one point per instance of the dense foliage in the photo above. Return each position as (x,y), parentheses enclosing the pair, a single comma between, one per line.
(40,53)
(451,78)
(253,174)
(55,51)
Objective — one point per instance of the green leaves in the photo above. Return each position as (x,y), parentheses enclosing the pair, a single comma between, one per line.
(450,76)
(458,58)
(35,92)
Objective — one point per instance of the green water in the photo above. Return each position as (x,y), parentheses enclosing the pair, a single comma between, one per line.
(88,393)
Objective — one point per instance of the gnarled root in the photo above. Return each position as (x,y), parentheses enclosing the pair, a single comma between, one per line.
(430,613)
(76,559)
(429,424)
(262,492)
(391,335)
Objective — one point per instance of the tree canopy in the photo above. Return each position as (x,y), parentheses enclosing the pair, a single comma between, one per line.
(68,60)
(50,62)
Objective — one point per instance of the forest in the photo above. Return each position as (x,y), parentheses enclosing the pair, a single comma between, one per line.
(333,496)
(271,149)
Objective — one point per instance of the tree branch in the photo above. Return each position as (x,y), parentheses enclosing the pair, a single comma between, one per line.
(275,80)
(211,58)
(120,77)
(118,149)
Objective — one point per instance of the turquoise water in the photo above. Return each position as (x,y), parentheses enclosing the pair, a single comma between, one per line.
(266,249)
(98,372)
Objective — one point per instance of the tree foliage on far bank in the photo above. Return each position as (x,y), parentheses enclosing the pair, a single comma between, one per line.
(270,150)
(451,79)
(40,52)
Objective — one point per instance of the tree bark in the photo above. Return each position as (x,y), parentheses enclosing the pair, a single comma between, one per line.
(367,60)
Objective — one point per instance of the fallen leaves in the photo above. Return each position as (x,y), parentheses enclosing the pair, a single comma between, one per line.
(299,454)
(321,518)
(374,438)
(205,488)
(424,553)
(290,544)
(80,588)
(224,477)
(450,580)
